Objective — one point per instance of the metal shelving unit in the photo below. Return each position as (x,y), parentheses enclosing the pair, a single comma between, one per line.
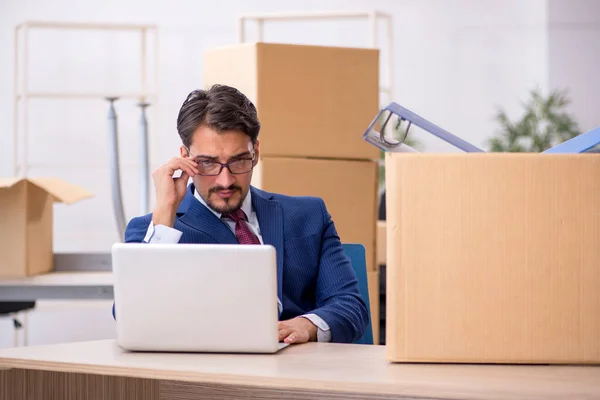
(23,94)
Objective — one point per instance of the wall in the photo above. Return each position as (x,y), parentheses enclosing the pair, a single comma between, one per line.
(455,62)
(574,56)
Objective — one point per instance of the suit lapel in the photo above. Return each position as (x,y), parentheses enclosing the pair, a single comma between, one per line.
(195,215)
(270,219)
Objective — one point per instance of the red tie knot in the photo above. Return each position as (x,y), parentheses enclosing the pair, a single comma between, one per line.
(238,215)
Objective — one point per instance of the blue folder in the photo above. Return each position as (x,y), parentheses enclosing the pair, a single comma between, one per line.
(391,145)
(586,142)
(579,144)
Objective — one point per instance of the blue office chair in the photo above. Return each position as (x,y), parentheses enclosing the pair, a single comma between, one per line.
(357,256)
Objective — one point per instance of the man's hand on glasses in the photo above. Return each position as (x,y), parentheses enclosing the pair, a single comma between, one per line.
(171,191)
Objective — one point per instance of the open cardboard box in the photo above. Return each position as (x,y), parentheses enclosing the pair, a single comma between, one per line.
(26,223)
(494,257)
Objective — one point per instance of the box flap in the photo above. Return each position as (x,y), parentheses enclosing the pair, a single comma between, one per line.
(62,191)
(9,182)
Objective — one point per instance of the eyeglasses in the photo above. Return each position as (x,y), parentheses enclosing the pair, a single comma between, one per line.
(214,168)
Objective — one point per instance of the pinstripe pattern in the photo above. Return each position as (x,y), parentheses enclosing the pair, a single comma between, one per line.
(314,274)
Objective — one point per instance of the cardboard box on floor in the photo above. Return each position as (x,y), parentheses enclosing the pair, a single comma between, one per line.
(349,189)
(312,101)
(493,258)
(26,223)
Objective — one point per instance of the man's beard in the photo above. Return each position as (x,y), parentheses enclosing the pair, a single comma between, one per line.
(231,205)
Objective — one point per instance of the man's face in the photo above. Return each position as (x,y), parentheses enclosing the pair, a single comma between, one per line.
(226,191)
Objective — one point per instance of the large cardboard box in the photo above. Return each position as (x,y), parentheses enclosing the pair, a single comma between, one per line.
(312,101)
(493,258)
(349,189)
(26,223)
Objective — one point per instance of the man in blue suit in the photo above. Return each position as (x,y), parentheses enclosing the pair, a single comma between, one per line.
(317,288)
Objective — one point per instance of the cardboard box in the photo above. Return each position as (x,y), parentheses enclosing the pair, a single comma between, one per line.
(373,280)
(493,258)
(26,215)
(312,101)
(349,189)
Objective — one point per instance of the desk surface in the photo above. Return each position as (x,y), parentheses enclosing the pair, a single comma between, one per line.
(58,285)
(62,279)
(318,366)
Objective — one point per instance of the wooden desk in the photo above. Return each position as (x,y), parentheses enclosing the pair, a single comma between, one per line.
(101,370)
(58,285)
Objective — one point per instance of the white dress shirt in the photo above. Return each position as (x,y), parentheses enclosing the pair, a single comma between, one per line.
(166,234)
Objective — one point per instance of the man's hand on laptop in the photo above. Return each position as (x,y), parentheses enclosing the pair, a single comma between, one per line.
(297,330)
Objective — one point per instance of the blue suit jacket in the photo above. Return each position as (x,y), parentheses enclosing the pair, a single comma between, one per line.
(313,273)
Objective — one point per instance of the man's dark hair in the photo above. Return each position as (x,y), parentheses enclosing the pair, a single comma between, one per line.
(220,108)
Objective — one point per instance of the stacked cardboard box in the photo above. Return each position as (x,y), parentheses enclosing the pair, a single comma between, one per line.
(313,102)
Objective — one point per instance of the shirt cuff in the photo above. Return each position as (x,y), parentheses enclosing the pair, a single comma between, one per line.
(323,331)
(162,234)
(279,306)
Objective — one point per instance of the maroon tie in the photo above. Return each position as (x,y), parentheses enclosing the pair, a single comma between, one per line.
(242,230)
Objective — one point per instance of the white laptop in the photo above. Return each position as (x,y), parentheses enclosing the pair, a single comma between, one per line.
(196,297)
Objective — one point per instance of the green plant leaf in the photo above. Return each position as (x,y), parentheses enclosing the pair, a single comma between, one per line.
(543,124)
